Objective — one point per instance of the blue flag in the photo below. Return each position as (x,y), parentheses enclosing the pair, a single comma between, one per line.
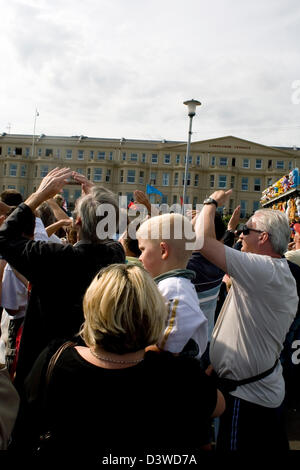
(152,190)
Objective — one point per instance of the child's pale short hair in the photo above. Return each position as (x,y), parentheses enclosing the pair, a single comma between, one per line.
(174,229)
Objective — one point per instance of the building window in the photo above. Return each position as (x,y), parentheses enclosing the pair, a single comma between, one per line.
(101,156)
(198,160)
(269,182)
(153,178)
(133,157)
(290,165)
(258,164)
(13,170)
(8,150)
(39,152)
(243,209)
(98,174)
(121,176)
(131,176)
(246,163)
(66,194)
(174,199)
(154,158)
(211,181)
(231,202)
(77,194)
(4,169)
(165,179)
(18,151)
(23,171)
(57,153)
(111,156)
(196,181)
(91,154)
(176,177)
(49,152)
(270,164)
(144,158)
(88,174)
(213,161)
(80,155)
(141,178)
(280,164)
(177,159)
(44,171)
(232,182)
(108,175)
(164,199)
(27,152)
(233,161)
(190,159)
(188,180)
(244,184)
(223,161)
(167,159)
(80,171)
(255,206)
(222,181)
(195,200)
(129,197)
(257,184)
(69,154)
(35,171)
(124,156)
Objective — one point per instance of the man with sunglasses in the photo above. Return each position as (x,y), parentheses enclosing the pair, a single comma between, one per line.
(249,334)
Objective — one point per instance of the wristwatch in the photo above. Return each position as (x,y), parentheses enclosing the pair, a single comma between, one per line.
(210,200)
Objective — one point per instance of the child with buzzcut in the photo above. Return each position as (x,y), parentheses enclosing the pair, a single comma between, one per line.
(164,242)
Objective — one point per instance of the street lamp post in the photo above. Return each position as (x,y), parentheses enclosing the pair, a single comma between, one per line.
(191,104)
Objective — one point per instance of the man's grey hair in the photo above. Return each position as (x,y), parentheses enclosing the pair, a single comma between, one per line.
(86,208)
(276,223)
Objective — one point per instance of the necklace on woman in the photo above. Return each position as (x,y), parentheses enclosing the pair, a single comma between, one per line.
(115,361)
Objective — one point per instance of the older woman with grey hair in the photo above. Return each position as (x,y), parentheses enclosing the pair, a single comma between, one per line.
(55,307)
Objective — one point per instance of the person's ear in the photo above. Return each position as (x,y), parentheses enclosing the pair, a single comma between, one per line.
(78,221)
(264,237)
(164,250)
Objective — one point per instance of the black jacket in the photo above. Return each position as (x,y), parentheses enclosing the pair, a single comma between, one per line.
(59,274)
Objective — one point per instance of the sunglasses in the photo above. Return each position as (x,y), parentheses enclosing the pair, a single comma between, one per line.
(245,230)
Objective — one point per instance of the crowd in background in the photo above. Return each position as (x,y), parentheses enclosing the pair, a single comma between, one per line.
(142,341)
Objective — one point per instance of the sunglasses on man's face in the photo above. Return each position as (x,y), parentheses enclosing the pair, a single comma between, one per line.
(245,230)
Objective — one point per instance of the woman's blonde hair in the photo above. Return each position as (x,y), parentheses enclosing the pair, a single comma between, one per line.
(123,309)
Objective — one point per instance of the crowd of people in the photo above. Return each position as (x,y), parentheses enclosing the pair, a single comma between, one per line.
(146,340)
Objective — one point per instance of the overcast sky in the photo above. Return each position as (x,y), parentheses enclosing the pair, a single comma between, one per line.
(122,68)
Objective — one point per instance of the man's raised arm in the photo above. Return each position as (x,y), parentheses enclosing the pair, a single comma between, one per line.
(212,249)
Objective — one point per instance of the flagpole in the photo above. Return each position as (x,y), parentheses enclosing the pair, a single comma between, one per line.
(35,116)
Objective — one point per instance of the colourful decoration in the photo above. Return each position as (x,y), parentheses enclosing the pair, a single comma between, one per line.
(284,184)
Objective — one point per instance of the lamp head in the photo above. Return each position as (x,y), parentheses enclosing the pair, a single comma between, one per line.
(192,104)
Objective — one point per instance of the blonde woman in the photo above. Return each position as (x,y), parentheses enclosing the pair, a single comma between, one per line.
(110,395)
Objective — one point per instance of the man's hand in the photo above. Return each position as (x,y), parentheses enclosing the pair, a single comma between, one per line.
(52,184)
(235,218)
(86,185)
(141,198)
(221,196)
